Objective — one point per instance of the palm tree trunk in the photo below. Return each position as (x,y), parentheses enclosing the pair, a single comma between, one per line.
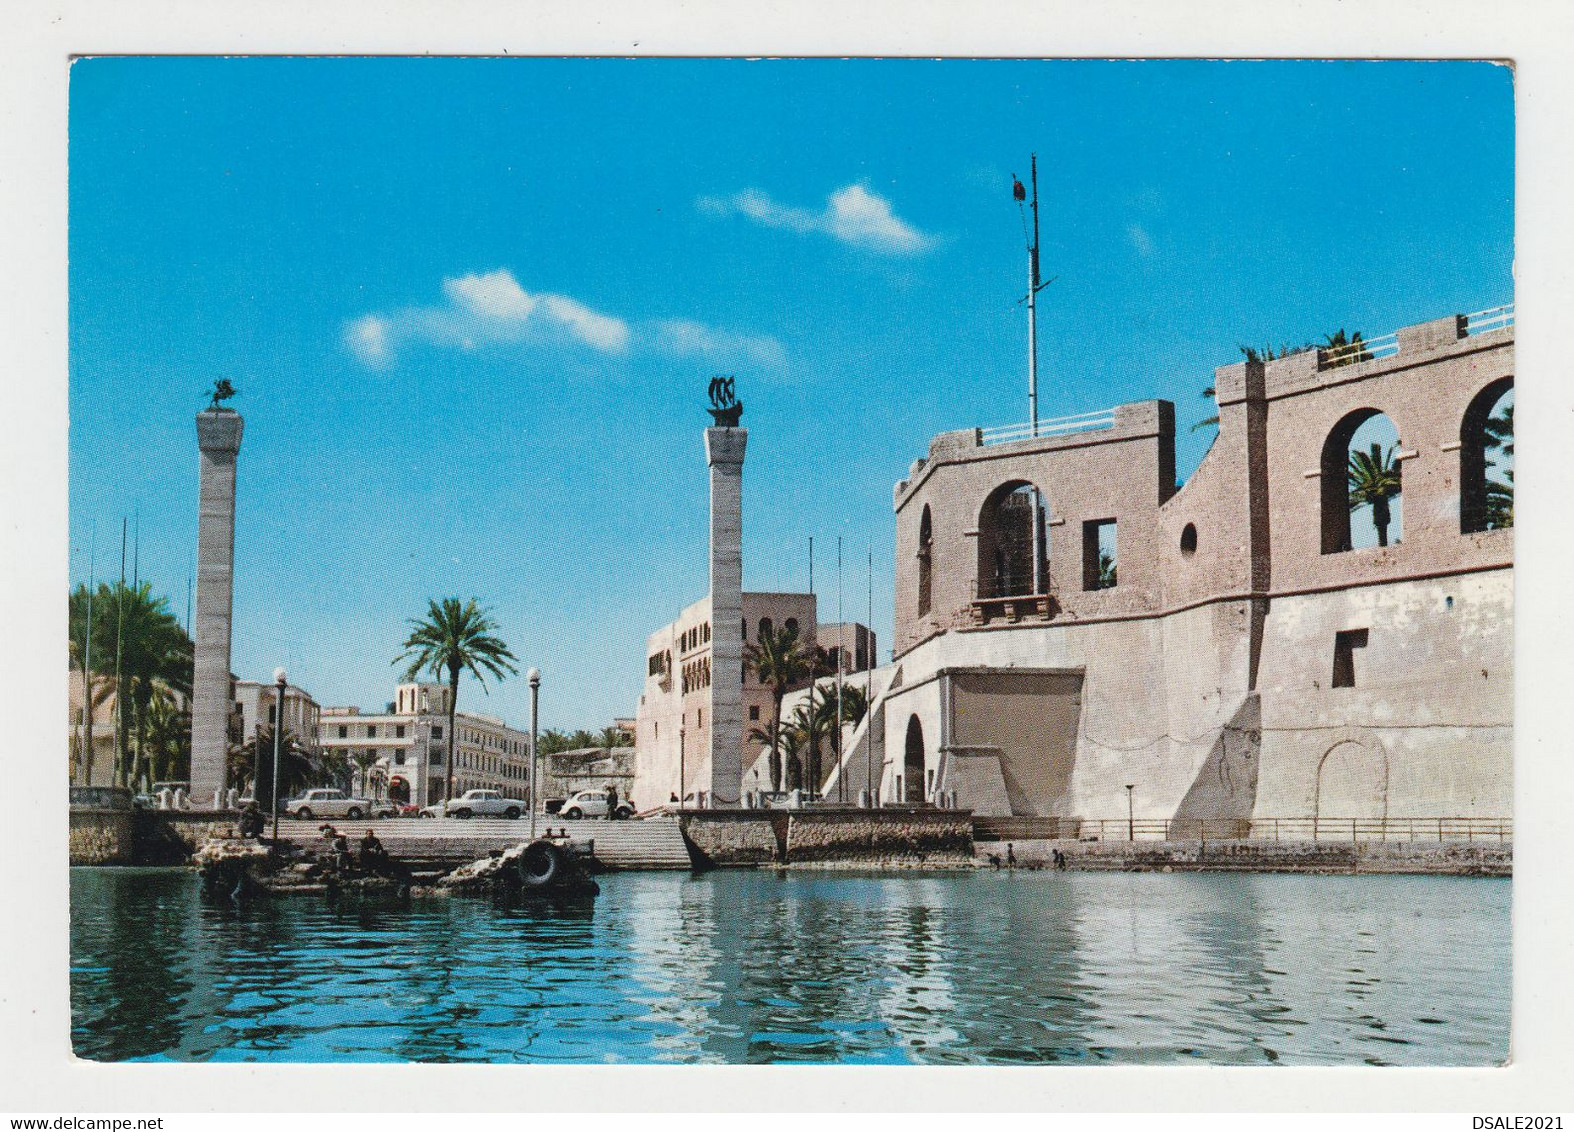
(1381,517)
(453,746)
(778,760)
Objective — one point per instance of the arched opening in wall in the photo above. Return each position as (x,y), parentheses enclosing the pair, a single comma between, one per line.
(926,541)
(1013,543)
(766,628)
(1352,782)
(791,625)
(1188,540)
(1486,460)
(913,762)
(1361,484)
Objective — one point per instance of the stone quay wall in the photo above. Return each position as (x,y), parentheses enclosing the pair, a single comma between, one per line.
(1439,858)
(884,838)
(103,836)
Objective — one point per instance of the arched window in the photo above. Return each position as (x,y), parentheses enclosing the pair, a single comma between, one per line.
(1486,460)
(765,627)
(926,539)
(1013,547)
(1361,483)
(792,625)
(913,762)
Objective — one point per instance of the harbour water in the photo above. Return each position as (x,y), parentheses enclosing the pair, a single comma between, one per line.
(764,966)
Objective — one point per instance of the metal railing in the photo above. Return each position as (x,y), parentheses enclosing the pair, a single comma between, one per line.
(1493,318)
(1362,350)
(1491,830)
(1055,426)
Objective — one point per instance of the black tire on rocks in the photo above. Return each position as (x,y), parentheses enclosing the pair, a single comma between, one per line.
(540,863)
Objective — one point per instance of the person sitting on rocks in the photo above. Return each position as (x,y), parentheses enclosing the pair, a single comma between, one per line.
(251,822)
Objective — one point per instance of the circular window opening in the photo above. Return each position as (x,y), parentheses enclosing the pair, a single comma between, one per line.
(1189,540)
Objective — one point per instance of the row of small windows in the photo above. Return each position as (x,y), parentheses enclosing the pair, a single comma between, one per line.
(691,639)
(696,675)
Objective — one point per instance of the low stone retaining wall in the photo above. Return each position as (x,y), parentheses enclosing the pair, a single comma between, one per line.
(103,836)
(1442,858)
(850,838)
(141,837)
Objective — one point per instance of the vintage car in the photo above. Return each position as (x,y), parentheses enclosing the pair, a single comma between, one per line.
(326,802)
(476,804)
(593,804)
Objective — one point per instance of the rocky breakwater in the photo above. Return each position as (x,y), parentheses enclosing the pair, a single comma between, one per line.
(240,869)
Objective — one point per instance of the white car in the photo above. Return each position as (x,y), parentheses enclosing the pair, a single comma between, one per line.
(477,804)
(326,802)
(593,804)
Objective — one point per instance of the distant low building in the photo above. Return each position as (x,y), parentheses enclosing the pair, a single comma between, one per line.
(405,748)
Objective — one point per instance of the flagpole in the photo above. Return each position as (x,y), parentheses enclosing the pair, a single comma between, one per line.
(841,648)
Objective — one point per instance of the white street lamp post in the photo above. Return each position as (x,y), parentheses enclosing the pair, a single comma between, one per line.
(534,677)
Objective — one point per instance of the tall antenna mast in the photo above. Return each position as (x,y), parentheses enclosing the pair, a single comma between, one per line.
(1032,314)
(1040,582)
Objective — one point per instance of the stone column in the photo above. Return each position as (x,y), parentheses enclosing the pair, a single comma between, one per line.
(724,452)
(218,439)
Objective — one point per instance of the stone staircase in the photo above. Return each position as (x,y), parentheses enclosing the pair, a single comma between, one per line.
(655,843)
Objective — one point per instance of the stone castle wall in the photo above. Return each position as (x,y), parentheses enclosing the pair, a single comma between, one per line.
(1207,670)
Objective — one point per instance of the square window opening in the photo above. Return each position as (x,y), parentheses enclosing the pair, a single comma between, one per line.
(1345,644)
(1099,554)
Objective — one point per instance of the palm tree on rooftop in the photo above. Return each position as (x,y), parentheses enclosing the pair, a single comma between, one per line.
(453,638)
(1374,480)
(779,661)
(615,737)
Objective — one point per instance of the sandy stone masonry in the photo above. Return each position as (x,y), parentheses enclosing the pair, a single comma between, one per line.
(218,441)
(1208,671)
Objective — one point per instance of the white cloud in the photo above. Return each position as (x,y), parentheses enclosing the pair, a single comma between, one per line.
(493,309)
(687,338)
(852,214)
(1140,240)
(367,337)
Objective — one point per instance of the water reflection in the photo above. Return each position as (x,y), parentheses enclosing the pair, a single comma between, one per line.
(1001,968)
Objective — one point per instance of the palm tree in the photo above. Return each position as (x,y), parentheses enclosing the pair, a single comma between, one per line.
(553,741)
(854,706)
(1345,351)
(812,721)
(1107,571)
(1499,436)
(1374,480)
(615,737)
(364,760)
(778,660)
(168,739)
(455,638)
(153,652)
(253,761)
(1209,394)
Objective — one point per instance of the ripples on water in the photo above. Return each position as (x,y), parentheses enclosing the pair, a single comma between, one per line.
(731,967)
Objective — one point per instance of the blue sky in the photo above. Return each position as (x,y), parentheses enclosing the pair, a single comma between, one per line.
(472,307)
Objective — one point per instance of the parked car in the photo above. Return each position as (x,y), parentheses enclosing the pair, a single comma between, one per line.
(593,804)
(477,804)
(326,802)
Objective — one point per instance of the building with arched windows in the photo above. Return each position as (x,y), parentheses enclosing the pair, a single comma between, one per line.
(1317,624)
